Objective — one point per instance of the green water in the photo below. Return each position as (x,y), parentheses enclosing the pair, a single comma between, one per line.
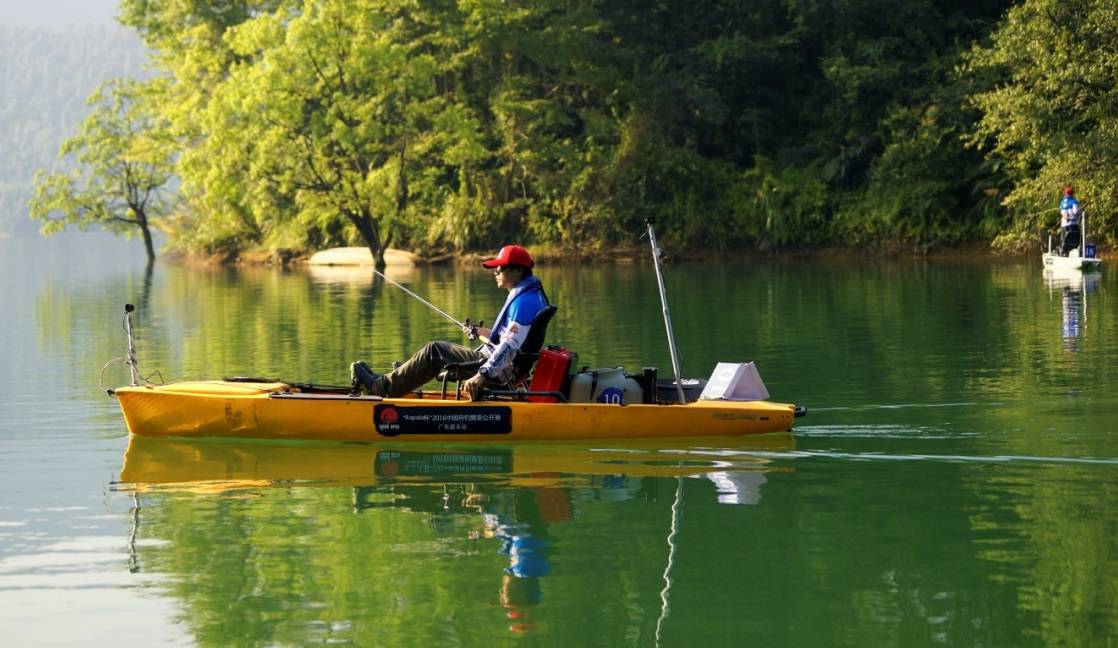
(955,482)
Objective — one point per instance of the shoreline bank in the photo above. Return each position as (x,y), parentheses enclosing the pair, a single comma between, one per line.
(641,254)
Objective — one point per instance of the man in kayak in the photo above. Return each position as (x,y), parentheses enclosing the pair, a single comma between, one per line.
(512,268)
(1069,221)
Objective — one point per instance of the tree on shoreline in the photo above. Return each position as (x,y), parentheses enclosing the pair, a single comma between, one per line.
(302,124)
(326,118)
(1052,113)
(123,166)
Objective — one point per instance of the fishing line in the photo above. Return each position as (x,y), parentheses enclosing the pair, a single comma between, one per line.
(422,300)
(425,302)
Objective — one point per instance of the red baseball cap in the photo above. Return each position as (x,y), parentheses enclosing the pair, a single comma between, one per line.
(510,255)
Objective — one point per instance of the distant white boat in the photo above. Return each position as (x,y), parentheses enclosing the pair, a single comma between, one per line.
(1080,258)
(1073,261)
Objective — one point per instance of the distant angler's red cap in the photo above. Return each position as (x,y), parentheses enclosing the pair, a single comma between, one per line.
(1068,190)
(510,255)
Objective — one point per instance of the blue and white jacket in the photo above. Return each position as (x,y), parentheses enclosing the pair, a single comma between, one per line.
(511,327)
(1069,211)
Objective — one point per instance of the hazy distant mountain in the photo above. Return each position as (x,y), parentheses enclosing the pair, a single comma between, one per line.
(58,14)
(45,77)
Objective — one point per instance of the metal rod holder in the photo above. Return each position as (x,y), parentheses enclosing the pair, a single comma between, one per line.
(131,359)
(667,316)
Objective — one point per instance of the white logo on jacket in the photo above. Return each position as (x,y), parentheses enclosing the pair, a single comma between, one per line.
(508,340)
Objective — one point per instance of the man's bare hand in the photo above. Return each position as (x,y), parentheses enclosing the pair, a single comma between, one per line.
(475,331)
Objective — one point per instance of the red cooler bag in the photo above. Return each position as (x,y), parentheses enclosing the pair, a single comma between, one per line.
(551,370)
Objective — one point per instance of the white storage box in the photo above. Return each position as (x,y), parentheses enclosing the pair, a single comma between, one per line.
(735,381)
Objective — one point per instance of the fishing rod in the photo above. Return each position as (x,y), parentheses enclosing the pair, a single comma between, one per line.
(1043,211)
(667,315)
(461,325)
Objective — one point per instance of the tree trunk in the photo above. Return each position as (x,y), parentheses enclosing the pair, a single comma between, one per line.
(148,244)
(364,224)
(401,204)
(401,186)
(142,221)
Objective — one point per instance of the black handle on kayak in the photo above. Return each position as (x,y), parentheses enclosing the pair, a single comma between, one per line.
(800,411)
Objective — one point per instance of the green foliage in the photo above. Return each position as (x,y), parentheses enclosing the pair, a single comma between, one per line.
(787,206)
(1052,111)
(124,160)
(451,126)
(912,196)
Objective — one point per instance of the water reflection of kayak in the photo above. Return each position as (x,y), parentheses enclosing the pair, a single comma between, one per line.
(220,464)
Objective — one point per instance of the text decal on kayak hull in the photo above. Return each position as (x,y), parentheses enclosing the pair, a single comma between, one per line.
(391,420)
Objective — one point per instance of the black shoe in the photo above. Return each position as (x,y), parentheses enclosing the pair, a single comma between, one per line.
(362,378)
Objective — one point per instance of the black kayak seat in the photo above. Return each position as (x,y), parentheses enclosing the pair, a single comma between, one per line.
(522,364)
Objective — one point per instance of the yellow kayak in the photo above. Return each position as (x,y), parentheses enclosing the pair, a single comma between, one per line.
(278,410)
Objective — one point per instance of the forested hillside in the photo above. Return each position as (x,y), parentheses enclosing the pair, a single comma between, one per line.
(444,126)
(45,78)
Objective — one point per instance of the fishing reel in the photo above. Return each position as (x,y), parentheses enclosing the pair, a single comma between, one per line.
(471,329)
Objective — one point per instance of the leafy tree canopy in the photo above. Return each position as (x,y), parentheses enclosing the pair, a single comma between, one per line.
(441,126)
(124,162)
(1052,112)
